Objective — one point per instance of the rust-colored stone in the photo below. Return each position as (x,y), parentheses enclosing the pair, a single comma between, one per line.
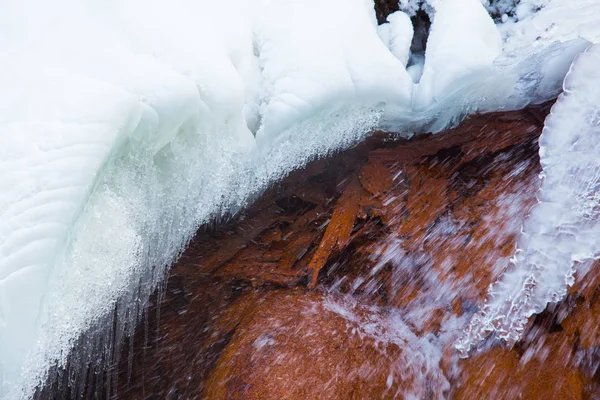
(545,373)
(400,240)
(338,230)
(376,179)
(478,135)
(490,375)
(584,322)
(293,345)
(426,198)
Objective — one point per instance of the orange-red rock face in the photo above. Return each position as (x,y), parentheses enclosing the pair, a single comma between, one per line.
(353,277)
(309,345)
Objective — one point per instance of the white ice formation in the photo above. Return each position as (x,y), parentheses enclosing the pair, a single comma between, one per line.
(564,227)
(125,124)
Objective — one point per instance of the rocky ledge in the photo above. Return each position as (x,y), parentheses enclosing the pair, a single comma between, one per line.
(353,278)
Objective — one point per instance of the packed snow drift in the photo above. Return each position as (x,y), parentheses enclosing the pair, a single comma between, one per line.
(126,124)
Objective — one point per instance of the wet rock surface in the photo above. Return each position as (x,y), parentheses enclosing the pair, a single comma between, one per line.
(353,277)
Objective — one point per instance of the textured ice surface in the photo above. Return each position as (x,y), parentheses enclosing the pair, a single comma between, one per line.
(564,227)
(463,43)
(397,34)
(126,124)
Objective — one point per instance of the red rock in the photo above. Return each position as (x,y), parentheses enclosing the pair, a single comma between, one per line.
(292,345)
(546,373)
(241,322)
(338,230)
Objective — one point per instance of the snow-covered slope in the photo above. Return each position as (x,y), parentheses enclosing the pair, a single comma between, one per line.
(126,124)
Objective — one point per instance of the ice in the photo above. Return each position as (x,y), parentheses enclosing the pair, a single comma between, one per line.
(397,34)
(82,105)
(128,124)
(551,37)
(501,67)
(349,66)
(463,43)
(124,125)
(563,228)
(513,10)
(410,7)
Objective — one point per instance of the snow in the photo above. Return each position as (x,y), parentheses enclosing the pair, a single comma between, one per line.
(124,125)
(463,43)
(513,10)
(349,66)
(397,34)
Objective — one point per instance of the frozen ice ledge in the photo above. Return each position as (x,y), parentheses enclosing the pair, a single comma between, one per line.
(124,125)
(564,227)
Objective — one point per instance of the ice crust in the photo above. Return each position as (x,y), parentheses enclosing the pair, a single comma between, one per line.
(125,124)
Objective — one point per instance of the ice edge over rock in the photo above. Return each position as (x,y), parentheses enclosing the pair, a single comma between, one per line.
(563,228)
(118,141)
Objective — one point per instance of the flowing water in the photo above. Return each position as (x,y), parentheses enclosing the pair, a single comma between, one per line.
(128,125)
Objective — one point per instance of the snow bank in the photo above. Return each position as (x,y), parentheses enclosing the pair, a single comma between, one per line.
(539,49)
(397,35)
(472,65)
(124,125)
(333,64)
(462,46)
